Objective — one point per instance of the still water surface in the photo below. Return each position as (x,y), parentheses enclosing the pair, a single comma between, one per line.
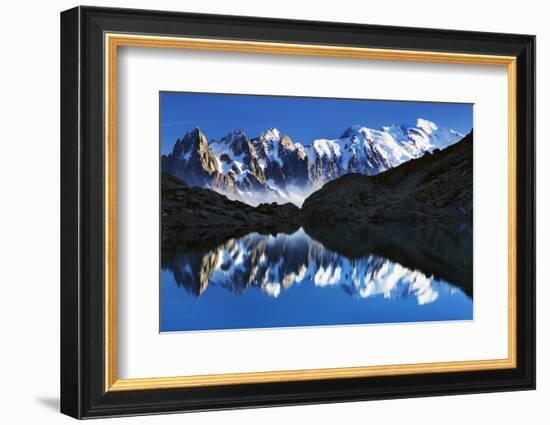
(285,280)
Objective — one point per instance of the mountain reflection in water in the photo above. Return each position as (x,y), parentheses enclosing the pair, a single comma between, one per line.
(280,280)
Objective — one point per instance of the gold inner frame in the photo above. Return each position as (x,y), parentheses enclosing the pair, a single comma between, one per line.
(113,41)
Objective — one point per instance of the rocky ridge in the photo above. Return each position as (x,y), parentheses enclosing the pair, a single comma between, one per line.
(274,168)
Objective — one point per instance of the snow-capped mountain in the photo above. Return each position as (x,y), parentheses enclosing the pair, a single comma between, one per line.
(274,168)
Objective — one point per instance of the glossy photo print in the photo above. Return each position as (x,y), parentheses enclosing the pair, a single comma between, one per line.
(281,211)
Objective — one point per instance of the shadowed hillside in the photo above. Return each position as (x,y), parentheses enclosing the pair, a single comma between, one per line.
(193,216)
(435,188)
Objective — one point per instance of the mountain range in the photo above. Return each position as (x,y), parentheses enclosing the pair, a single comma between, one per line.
(436,188)
(273,168)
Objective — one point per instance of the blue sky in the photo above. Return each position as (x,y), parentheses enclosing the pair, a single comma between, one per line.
(303,119)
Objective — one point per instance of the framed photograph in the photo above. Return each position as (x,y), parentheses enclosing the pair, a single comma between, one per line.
(261,212)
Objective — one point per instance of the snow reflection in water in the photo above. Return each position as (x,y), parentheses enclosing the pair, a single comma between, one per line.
(293,280)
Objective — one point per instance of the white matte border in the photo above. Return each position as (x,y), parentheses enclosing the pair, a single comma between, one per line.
(143,352)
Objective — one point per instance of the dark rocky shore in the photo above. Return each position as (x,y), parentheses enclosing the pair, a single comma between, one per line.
(195,216)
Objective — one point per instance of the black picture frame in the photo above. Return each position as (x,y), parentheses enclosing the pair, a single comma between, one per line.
(83,392)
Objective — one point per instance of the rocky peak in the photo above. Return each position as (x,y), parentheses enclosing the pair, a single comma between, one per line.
(236,136)
(192,159)
(286,143)
(354,130)
(395,129)
(202,141)
(271,135)
(189,143)
(237,141)
(426,126)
